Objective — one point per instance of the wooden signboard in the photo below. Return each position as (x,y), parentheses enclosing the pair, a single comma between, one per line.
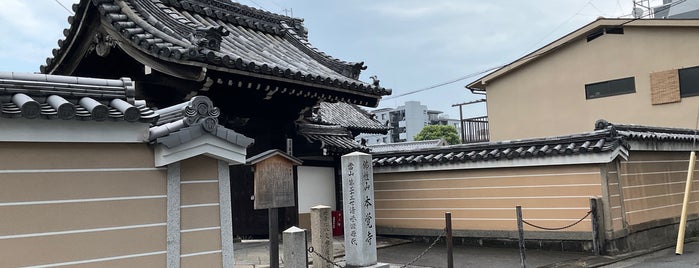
(274,179)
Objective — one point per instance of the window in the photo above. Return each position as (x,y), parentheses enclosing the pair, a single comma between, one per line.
(689,82)
(610,88)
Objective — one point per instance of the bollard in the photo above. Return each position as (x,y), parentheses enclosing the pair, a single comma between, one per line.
(450,244)
(321,236)
(595,226)
(294,247)
(520,231)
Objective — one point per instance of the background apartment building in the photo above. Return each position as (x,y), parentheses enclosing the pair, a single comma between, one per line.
(405,122)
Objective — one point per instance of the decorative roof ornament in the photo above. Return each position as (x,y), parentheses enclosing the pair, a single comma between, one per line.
(375,80)
(208,37)
(201,110)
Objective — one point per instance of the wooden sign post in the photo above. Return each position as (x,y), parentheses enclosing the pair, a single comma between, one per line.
(274,188)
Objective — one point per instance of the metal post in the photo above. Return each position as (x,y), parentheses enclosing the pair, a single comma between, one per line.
(520,230)
(461,120)
(595,226)
(273,237)
(450,244)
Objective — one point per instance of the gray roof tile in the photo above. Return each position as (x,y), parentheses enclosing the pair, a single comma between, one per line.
(238,37)
(334,139)
(32,96)
(585,143)
(189,120)
(349,116)
(407,146)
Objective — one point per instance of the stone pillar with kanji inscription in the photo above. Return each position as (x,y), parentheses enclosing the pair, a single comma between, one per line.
(358,210)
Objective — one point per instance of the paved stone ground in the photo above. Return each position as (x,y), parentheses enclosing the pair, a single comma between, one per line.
(255,254)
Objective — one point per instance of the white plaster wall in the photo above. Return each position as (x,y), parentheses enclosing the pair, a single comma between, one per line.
(316,187)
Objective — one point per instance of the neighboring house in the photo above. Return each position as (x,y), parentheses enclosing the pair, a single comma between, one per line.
(629,71)
(637,172)
(90,175)
(257,67)
(405,122)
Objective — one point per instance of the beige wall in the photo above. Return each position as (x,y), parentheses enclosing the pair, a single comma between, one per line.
(485,199)
(547,96)
(200,213)
(107,201)
(653,186)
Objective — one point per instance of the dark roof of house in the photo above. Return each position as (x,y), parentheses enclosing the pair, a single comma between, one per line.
(649,133)
(349,116)
(585,143)
(334,139)
(407,146)
(29,95)
(220,35)
(580,34)
(189,120)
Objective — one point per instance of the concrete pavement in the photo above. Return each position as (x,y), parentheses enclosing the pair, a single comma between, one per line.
(397,252)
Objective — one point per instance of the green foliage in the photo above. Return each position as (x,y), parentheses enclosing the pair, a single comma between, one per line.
(433,132)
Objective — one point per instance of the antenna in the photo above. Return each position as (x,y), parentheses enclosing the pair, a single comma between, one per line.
(287,11)
(642,8)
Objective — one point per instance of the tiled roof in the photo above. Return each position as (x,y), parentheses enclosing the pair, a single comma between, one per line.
(222,35)
(32,96)
(188,120)
(649,133)
(349,116)
(585,143)
(407,146)
(334,139)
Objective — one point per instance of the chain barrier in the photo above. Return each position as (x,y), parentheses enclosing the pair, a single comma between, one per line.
(312,251)
(559,228)
(419,256)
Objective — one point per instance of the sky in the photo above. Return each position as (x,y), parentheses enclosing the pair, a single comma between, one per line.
(409,44)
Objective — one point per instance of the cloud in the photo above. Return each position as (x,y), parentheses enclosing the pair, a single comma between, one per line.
(418,9)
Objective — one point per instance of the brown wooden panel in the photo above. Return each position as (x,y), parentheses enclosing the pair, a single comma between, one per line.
(159,260)
(506,192)
(665,87)
(19,252)
(19,187)
(199,193)
(199,168)
(200,217)
(208,260)
(200,241)
(78,216)
(30,155)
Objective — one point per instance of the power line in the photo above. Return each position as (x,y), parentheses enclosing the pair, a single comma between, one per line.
(258,5)
(64,7)
(530,56)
